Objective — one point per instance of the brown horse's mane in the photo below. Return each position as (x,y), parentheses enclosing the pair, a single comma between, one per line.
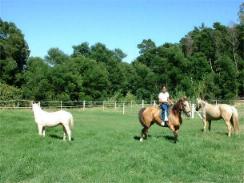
(176,107)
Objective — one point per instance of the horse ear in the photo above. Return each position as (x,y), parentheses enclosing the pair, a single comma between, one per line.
(184,98)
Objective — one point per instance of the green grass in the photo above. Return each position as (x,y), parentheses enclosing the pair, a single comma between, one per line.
(104,150)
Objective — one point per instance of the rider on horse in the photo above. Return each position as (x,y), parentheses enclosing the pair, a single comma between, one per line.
(164,100)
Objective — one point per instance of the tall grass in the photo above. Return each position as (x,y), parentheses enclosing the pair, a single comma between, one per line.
(104,150)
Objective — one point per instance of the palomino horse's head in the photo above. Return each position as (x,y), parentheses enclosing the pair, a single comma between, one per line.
(199,104)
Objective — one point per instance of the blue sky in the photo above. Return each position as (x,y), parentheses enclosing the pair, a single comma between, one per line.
(117,23)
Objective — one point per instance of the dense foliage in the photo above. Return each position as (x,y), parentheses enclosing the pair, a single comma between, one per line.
(207,62)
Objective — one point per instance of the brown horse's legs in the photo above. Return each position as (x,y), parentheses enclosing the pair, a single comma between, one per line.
(158,120)
(176,135)
(228,127)
(144,133)
(175,131)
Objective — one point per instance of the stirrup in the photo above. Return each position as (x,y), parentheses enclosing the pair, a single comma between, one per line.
(164,124)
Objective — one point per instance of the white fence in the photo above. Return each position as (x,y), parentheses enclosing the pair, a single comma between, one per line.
(119,106)
(115,106)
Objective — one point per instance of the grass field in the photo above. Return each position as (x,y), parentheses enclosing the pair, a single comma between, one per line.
(104,150)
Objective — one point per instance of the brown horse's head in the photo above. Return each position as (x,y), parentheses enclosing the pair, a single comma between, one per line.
(183,105)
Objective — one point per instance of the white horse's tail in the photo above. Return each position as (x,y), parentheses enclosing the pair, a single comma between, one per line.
(235,119)
(71,122)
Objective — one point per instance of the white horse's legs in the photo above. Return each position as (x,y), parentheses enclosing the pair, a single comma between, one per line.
(68,131)
(40,127)
(43,131)
(65,133)
(64,137)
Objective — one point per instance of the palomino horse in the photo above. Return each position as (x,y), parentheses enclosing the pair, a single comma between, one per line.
(150,115)
(216,112)
(45,119)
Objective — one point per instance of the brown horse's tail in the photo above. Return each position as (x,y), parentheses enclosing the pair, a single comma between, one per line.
(140,115)
(235,119)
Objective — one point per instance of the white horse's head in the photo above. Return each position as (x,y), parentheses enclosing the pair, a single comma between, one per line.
(36,106)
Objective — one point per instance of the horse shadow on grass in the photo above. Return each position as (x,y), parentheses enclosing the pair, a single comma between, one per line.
(215,132)
(58,137)
(138,137)
(167,137)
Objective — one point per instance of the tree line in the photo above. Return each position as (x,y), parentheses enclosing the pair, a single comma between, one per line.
(207,62)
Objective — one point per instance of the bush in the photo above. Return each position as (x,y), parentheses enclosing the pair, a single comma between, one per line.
(8,92)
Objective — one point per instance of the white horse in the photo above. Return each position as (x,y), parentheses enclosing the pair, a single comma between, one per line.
(215,112)
(45,119)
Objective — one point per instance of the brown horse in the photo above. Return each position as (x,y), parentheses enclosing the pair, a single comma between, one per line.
(150,115)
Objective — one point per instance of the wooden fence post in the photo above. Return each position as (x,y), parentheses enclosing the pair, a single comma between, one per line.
(84,105)
(123,108)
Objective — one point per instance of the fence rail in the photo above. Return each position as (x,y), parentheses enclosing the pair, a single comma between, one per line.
(116,106)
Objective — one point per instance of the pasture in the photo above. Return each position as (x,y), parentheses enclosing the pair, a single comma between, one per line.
(104,150)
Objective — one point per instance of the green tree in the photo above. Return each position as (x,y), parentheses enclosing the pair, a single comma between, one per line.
(37,86)
(55,56)
(241,14)
(14,53)
(82,50)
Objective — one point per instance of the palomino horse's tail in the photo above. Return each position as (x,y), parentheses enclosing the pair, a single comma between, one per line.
(140,115)
(71,122)
(235,119)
